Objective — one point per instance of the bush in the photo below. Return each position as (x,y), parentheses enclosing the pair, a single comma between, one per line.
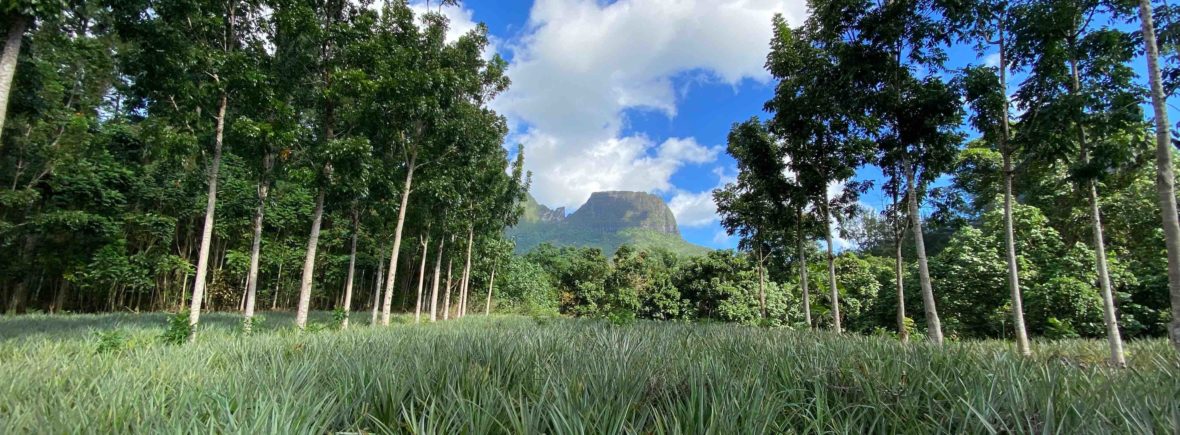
(110,341)
(178,329)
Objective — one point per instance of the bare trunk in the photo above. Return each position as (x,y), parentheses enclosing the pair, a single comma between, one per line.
(397,241)
(351,268)
(421,281)
(933,325)
(274,303)
(1164,177)
(255,251)
(463,290)
(194,314)
(803,272)
(903,333)
(377,292)
(1108,311)
(16,32)
(487,308)
(761,284)
(1109,316)
(305,283)
(446,311)
(434,285)
(835,294)
(1009,233)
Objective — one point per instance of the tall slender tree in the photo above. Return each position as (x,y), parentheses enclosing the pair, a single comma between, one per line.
(184,60)
(18,15)
(816,117)
(988,23)
(1080,106)
(1165,177)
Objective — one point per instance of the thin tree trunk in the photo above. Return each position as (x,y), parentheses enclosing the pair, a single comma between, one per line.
(16,32)
(465,286)
(194,314)
(1164,177)
(487,308)
(1009,233)
(274,303)
(255,251)
(397,241)
(903,333)
(761,284)
(183,291)
(305,283)
(351,268)
(421,279)
(377,291)
(933,325)
(434,285)
(1108,311)
(835,294)
(803,271)
(446,312)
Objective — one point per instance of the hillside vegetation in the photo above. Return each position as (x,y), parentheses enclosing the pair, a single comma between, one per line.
(607,221)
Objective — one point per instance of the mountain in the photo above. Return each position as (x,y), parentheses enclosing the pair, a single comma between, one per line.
(606,221)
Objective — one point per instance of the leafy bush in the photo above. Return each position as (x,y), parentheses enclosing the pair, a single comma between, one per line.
(178,329)
(110,341)
(1057,329)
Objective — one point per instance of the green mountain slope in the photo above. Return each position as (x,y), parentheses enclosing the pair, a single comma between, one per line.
(607,220)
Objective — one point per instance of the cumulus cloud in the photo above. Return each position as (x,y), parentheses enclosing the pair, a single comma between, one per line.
(698,209)
(722,239)
(581,64)
(694,209)
(992,59)
(460,21)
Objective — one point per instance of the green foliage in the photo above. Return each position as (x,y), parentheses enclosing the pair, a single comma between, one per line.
(531,235)
(338,316)
(110,341)
(482,375)
(1058,330)
(178,329)
(113,118)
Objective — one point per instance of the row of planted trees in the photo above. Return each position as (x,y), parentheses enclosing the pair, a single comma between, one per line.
(159,154)
(865,83)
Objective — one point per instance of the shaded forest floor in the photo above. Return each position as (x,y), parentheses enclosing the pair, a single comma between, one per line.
(511,374)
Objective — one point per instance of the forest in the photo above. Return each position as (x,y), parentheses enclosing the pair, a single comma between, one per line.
(193,156)
(296,216)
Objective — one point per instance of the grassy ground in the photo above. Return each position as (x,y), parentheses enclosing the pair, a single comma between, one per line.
(509,374)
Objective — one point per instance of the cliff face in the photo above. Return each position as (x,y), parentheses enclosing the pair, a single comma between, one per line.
(606,221)
(617,211)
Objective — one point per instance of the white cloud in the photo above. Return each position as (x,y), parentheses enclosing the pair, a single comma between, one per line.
(461,19)
(721,238)
(992,60)
(581,64)
(698,209)
(460,22)
(694,209)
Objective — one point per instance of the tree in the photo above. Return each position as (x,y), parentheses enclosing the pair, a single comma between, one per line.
(1165,177)
(816,118)
(898,221)
(1094,100)
(406,64)
(184,58)
(18,15)
(990,24)
(748,207)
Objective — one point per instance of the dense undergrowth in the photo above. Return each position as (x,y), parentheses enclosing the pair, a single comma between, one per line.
(509,374)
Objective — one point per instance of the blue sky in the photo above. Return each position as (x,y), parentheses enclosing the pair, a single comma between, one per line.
(637,94)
